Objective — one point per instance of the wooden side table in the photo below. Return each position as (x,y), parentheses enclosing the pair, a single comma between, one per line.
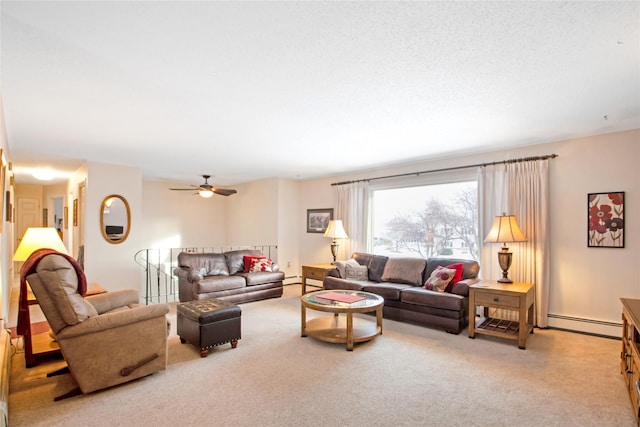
(315,272)
(508,296)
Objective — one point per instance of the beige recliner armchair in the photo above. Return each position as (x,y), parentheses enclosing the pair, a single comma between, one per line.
(106,339)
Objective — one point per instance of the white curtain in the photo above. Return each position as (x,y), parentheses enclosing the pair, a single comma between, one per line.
(352,207)
(520,189)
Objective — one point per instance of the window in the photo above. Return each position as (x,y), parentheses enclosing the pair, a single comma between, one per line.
(426,220)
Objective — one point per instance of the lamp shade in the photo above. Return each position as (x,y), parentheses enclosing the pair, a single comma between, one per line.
(205,193)
(37,238)
(505,229)
(335,230)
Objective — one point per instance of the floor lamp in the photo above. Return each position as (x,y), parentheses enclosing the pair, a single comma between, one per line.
(505,229)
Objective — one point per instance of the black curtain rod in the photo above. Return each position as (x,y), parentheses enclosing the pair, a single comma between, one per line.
(502,162)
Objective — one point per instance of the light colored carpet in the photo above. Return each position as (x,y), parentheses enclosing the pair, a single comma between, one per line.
(409,376)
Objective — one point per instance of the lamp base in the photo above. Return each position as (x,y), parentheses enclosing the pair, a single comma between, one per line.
(334,250)
(504,259)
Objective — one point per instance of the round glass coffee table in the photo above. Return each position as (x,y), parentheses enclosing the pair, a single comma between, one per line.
(341,329)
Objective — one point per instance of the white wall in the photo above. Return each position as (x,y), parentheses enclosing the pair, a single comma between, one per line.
(174,219)
(112,266)
(252,214)
(586,283)
(290,224)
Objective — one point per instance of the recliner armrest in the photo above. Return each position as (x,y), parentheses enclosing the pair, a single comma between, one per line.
(115,319)
(112,300)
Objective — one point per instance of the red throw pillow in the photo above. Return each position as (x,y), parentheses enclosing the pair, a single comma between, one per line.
(248,260)
(456,277)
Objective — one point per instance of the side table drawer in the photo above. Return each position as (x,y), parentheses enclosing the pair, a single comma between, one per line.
(311,273)
(488,298)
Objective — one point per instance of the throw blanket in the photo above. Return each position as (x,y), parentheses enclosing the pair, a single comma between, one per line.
(28,268)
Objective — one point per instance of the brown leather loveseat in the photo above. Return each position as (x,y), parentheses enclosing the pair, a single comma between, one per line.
(223,276)
(400,281)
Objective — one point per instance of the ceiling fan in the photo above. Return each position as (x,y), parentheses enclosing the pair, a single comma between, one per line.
(207,190)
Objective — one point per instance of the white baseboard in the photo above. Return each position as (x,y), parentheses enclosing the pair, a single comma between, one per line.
(588,326)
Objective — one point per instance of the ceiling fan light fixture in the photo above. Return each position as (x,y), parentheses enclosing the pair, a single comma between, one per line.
(205,193)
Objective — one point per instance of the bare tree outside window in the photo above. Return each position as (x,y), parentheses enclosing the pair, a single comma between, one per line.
(427,221)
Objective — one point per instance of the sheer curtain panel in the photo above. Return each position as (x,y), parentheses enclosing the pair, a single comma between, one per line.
(352,207)
(519,188)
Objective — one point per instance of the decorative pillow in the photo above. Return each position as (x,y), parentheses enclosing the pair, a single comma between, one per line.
(456,277)
(439,279)
(261,264)
(248,261)
(342,266)
(361,272)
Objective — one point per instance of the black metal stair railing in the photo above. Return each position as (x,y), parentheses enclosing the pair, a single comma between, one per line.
(160,284)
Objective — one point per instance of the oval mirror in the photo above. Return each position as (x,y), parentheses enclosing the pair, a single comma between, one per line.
(115,219)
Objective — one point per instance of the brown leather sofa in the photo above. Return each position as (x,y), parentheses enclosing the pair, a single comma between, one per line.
(204,276)
(400,281)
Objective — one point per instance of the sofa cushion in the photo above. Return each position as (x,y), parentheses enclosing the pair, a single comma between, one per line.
(404,270)
(440,279)
(442,300)
(388,291)
(235,259)
(358,272)
(203,264)
(262,277)
(331,282)
(341,266)
(375,264)
(219,283)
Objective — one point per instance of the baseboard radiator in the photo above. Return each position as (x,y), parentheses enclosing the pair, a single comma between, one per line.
(569,323)
(5,365)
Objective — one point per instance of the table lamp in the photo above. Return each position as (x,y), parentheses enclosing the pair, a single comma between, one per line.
(335,230)
(37,238)
(505,229)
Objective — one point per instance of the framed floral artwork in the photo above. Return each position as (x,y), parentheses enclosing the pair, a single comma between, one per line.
(606,220)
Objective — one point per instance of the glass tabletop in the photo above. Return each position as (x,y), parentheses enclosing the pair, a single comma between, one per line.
(342,298)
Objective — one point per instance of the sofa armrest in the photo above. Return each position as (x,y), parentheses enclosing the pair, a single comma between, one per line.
(114,319)
(188,274)
(111,300)
(462,287)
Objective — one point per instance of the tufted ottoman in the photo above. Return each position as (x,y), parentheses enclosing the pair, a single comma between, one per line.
(208,323)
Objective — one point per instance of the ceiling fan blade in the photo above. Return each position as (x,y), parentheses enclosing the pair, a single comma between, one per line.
(224,191)
(182,189)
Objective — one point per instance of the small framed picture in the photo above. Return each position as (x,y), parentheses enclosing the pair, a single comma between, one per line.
(75,212)
(318,220)
(605,216)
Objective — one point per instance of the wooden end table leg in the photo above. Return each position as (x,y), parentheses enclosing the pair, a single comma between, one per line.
(303,318)
(349,331)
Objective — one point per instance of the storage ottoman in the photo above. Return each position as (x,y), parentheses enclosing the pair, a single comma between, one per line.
(208,323)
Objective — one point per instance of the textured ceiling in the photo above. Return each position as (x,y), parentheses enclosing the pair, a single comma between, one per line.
(251,90)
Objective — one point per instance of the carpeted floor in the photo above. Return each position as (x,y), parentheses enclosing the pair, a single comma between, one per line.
(409,376)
